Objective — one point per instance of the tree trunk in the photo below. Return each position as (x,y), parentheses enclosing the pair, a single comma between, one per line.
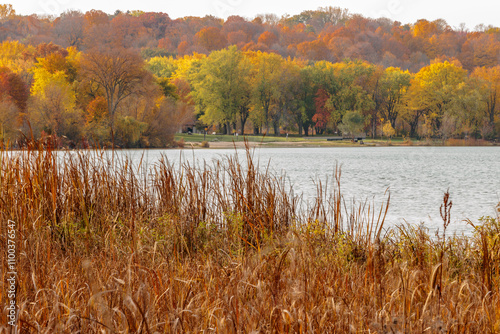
(266,116)
(413,128)
(243,120)
(393,123)
(491,112)
(276,128)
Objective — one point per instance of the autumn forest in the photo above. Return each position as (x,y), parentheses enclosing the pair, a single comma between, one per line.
(133,79)
(98,240)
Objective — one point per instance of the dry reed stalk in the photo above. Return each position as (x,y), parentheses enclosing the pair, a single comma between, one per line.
(225,247)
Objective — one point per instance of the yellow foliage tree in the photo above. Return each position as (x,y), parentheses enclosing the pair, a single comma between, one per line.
(12,56)
(432,93)
(266,77)
(187,65)
(488,82)
(388,130)
(53,108)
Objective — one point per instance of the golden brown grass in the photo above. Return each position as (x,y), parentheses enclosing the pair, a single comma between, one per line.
(467,142)
(107,247)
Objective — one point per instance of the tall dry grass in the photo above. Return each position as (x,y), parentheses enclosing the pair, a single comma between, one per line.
(467,142)
(108,247)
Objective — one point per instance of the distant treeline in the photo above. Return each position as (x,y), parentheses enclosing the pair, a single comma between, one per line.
(135,78)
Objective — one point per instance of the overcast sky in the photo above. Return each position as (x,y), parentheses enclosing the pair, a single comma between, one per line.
(455,12)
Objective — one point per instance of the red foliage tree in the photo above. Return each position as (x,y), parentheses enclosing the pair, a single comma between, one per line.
(155,23)
(322,115)
(127,31)
(166,43)
(95,17)
(183,90)
(315,50)
(211,39)
(238,38)
(45,49)
(97,109)
(13,88)
(268,38)
(183,48)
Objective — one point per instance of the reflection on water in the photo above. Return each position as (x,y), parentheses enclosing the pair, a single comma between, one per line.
(417,177)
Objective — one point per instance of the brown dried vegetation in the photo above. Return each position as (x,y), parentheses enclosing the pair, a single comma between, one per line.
(108,247)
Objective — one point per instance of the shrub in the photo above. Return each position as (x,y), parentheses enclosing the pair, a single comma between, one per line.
(179,143)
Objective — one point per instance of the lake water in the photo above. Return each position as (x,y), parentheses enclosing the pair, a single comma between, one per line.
(416,177)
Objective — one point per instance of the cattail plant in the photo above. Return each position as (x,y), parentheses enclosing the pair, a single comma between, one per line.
(106,246)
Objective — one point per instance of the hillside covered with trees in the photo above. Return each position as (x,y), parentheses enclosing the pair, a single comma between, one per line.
(135,78)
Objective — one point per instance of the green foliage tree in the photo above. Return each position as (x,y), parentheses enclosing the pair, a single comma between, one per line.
(355,90)
(391,89)
(266,83)
(129,130)
(162,67)
(291,91)
(465,117)
(221,87)
(487,81)
(319,77)
(306,105)
(353,123)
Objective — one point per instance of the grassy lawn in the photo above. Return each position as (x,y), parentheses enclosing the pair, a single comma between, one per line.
(314,140)
(323,140)
(198,138)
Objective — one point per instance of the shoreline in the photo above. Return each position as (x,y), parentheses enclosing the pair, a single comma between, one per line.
(268,142)
(321,143)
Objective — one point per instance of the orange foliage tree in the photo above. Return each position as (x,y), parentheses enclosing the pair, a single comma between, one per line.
(211,38)
(268,38)
(119,73)
(13,88)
